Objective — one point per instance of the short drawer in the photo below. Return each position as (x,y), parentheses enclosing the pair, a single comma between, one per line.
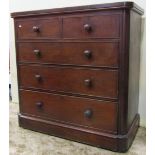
(93,82)
(77,53)
(40,28)
(95,26)
(74,110)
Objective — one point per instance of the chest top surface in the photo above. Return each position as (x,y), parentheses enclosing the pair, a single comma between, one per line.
(85,8)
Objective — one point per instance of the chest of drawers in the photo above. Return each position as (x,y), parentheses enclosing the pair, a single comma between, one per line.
(78,72)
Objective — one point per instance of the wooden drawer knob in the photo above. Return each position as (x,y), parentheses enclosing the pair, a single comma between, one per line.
(88,113)
(36,29)
(39,104)
(38,77)
(88,54)
(37,52)
(87,27)
(88,82)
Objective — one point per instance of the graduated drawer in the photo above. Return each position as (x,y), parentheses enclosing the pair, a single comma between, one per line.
(74,110)
(95,82)
(93,26)
(77,53)
(38,28)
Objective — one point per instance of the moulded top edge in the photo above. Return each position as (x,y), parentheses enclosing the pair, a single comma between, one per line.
(106,6)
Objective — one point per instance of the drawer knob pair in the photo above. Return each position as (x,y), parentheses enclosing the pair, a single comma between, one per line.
(88,54)
(88,113)
(36,29)
(87,27)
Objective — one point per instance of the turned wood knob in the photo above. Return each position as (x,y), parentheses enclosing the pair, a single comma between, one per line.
(36,29)
(87,27)
(88,113)
(37,52)
(88,82)
(39,104)
(88,54)
(38,77)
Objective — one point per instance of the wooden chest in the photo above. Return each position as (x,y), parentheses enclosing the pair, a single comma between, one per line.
(78,72)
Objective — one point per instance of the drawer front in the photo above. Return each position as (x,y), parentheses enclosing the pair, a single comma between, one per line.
(97,26)
(94,82)
(38,29)
(79,111)
(93,53)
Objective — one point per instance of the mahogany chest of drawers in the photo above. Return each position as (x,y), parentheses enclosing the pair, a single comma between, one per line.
(78,72)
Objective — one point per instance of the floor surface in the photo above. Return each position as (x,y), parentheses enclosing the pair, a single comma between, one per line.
(26,142)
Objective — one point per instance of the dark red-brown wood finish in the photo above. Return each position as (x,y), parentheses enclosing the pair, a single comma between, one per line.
(104,54)
(93,82)
(78,72)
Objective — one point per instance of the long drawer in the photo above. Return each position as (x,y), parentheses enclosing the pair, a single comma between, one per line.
(77,53)
(93,82)
(74,110)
